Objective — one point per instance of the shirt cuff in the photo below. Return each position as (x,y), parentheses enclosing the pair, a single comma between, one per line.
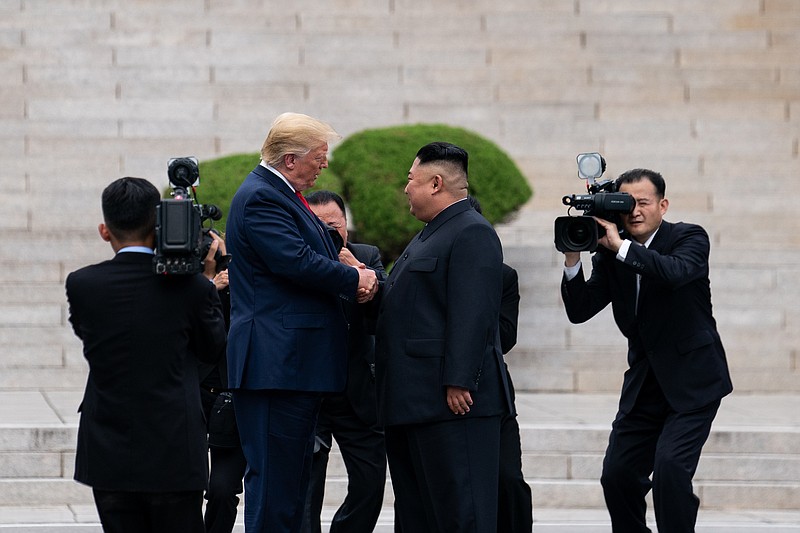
(571,272)
(622,253)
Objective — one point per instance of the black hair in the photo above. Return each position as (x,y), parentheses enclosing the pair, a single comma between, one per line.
(326,197)
(638,174)
(129,208)
(442,151)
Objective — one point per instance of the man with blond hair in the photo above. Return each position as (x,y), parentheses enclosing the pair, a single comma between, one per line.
(288,332)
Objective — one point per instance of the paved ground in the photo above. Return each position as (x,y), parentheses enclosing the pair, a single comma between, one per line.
(776,411)
(546,521)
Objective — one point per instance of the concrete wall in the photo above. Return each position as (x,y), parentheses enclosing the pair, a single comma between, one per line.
(706,92)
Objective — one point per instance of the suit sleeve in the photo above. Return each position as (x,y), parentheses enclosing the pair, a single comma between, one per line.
(284,250)
(583,298)
(509,309)
(376,264)
(686,261)
(474,287)
(208,327)
(73,318)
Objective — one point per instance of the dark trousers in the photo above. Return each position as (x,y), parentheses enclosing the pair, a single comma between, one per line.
(224,484)
(150,512)
(515,505)
(364,453)
(277,433)
(654,439)
(445,475)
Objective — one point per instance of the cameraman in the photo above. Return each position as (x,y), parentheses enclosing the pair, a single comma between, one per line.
(142,434)
(655,275)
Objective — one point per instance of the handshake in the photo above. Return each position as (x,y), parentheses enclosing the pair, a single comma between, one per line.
(367,284)
(367,280)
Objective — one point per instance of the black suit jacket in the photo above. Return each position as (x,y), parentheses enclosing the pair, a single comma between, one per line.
(438,322)
(509,309)
(141,425)
(673,332)
(360,389)
(288,326)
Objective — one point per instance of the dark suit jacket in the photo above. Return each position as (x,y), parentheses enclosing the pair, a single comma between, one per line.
(360,388)
(509,309)
(142,426)
(288,329)
(438,322)
(673,332)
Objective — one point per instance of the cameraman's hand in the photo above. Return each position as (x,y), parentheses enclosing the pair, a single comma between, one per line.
(209,264)
(571,258)
(346,257)
(221,280)
(611,240)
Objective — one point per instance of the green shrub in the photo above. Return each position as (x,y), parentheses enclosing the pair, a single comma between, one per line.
(220,179)
(370,168)
(373,167)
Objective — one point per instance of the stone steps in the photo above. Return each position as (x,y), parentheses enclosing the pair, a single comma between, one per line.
(751,460)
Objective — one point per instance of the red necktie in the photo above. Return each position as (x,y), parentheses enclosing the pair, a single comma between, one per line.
(303,199)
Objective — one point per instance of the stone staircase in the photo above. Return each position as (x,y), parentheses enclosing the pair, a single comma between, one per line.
(752,455)
(707,93)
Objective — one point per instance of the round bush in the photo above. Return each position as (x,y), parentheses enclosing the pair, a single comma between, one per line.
(373,168)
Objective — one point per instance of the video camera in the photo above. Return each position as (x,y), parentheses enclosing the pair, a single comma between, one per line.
(580,233)
(182,242)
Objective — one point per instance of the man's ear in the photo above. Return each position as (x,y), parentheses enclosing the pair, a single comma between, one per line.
(437,181)
(289,160)
(104,233)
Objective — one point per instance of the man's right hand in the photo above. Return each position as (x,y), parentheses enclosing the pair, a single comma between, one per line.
(571,258)
(367,284)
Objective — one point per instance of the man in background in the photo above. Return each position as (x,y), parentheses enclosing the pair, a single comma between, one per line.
(287,344)
(142,435)
(515,504)
(350,417)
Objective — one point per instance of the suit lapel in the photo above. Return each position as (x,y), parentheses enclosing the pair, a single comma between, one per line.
(661,244)
(278,183)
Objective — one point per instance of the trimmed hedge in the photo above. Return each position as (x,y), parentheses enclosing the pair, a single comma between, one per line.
(373,167)
(370,169)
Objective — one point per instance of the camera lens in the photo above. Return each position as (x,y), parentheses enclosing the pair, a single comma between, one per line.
(576,234)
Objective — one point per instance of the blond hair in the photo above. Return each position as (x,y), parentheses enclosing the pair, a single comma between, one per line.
(295,133)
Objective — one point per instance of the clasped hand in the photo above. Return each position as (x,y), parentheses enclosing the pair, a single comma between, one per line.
(367,284)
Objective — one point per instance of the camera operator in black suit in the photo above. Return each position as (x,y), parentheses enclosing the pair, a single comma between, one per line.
(351,417)
(142,434)
(655,275)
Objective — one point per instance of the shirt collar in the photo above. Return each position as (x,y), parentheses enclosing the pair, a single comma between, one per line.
(137,249)
(281,176)
(650,240)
